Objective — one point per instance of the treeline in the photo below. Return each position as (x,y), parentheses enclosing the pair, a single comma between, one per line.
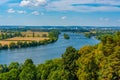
(7,35)
(24,44)
(53,35)
(89,34)
(99,62)
(99,33)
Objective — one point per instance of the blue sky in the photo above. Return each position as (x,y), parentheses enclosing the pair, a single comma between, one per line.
(60,12)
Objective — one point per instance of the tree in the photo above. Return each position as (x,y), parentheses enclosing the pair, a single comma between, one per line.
(46,70)
(66,36)
(33,35)
(69,61)
(11,75)
(60,75)
(12,45)
(28,71)
(5,46)
(53,34)
(27,74)
(13,65)
(1,69)
(0,46)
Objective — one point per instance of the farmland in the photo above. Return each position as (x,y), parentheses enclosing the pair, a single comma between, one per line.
(24,39)
(27,36)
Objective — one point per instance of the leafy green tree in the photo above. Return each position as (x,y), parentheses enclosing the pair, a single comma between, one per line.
(1,69)
(25,44)
(11,75)
(53,34)
(0,46)
(28,71)
(5,46)
(13,65)
(33,35)
(69,61)
(28,62)
(27,74)
(12,45)
(60,75)
(45,71)
(66,36)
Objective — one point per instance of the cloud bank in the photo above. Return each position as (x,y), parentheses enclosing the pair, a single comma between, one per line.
(84,5)
(74,5)
(68,5)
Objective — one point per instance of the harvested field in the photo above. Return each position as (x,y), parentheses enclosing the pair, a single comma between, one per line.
(15,39)
(27,39)
(27,36)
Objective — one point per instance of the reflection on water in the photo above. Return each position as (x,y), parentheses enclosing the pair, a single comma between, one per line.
(45,52)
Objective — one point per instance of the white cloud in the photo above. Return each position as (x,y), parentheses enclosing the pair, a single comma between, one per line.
(35,13)
(11,10)
(21,11)
(24,3)
(84,5)
(108,2)
(32,3)
(64,17)
(74,5)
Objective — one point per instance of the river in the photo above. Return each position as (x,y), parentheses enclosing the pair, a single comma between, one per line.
(42,53)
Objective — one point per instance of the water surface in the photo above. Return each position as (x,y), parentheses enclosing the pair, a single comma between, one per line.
(42,53)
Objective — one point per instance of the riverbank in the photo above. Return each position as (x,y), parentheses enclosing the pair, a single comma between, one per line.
(27,39)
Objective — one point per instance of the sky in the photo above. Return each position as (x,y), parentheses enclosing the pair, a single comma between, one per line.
(60,12)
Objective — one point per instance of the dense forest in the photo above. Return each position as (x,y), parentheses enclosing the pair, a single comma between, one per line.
(98,62)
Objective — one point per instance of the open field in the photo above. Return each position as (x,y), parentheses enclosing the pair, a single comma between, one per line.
(27,39)
(26,36)
(15,39)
